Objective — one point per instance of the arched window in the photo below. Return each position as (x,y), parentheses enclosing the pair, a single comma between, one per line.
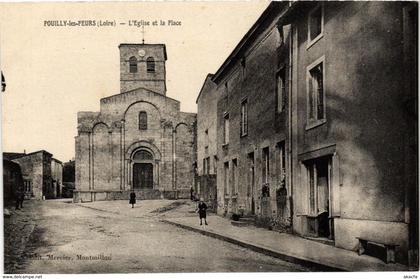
(133,64)
(142,120)
(150,64)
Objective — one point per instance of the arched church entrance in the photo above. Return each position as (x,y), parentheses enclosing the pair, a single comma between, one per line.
(143,170)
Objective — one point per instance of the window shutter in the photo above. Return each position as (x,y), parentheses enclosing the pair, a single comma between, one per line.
(304,202)
(335,186)
(311,96)
(246,118)
(150,64)
(227,130)
(320,93)
(284,94)
(133,64)
(241,129)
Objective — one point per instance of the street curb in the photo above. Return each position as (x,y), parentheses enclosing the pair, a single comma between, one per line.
(288,258)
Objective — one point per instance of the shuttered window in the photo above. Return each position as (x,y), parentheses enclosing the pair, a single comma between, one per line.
(244,117)
(150,64)
(226,129)
(281,90)
(133,64)
(316,94)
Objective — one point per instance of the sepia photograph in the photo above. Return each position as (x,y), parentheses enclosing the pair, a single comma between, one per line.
(204,137)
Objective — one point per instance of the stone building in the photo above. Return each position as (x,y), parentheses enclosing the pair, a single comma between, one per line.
(354,150)
(139,140)
(252,124)
(38,172)
(317,123)
(68,179)
(69,171)
(206,141)
(57,177)
(12,181)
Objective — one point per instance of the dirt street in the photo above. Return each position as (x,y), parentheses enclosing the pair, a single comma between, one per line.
(110,237)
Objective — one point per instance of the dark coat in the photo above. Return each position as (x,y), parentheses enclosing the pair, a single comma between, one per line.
(132,198)
(202,207)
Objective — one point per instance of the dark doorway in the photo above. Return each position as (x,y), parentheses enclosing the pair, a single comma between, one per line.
(251,181)
(142,175)
(323,197)
(319,175)
(58,190)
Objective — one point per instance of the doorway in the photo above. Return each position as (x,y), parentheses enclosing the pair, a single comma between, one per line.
(251,181)
(143,176)
(319,179)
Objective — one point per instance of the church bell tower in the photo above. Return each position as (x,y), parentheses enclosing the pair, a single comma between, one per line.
(143,66)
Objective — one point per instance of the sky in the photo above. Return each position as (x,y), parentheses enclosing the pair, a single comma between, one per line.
(52,72)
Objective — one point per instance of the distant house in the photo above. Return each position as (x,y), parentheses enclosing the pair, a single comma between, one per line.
(206,141)
(41,173)
(57,177)
(68,171)
(12,180)
(68,179)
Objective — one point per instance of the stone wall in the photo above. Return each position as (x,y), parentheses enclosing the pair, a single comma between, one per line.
(48,187)
(36,167)
(207,126)
(144,194)
(101,157)
(364,101)
(252,79)
(12,181)
(57,177)
(185,150)
(154,81)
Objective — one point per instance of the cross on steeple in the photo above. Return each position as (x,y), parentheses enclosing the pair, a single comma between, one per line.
(142,31)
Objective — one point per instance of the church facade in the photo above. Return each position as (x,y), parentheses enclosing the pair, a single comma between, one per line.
(139,140)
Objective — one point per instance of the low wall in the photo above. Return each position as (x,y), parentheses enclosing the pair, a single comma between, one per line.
(144,194)
(183,193)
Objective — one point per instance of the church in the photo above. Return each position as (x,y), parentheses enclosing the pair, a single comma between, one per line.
(139,140)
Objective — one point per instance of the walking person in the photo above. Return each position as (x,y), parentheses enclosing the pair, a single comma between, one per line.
(192,193)
(132,199)
(20,196)
(202,209)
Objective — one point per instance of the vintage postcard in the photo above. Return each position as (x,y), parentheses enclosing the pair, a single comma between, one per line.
(167,137)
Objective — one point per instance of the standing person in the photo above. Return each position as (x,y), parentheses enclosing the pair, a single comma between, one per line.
(20,195)
(22,198)
(132,199)
(202,208)
(192,193)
